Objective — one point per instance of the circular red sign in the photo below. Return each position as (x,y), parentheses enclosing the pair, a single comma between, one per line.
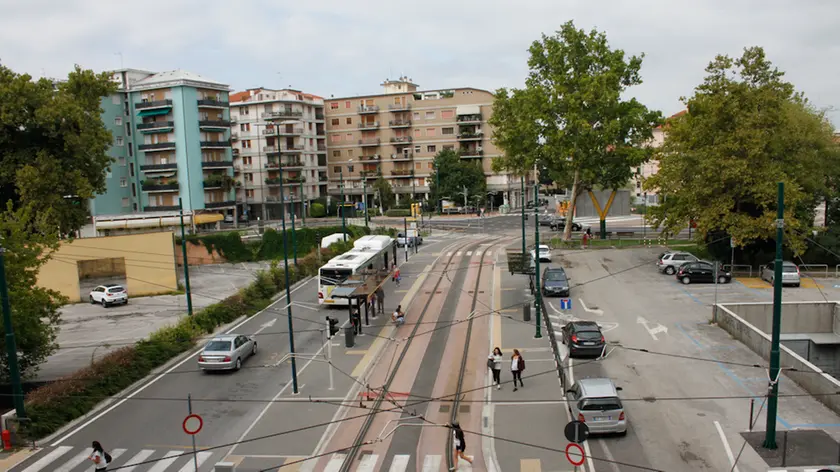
(194,423)
(579,453)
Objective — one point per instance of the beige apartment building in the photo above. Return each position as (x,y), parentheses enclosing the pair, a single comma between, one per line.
(274,129)
(397,134)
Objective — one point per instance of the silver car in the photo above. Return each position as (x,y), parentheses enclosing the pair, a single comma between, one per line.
(226,352)
(596,403)
(790,273)
(670,262)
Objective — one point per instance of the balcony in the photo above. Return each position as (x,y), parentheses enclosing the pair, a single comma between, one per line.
(215,144)
(402,156)
(369,142)
(322,147)
(214,124)
(158,186)
(323,178)
(169,166)
(289,131)
(467,136)
(161,208)
(471,153)
(235,152)
(367,109)
(216,164)
(234,136)
(220,181)
(319,116)
(401,139)
(153,104)
(402,172)
(285,114)
(369,125)
(156,126)
(156,147)
(272,181)
(234,120)
(464,119)
(294,180)
(399,107)
(212,103)
(399,123)
(210,205)
(288,165)
(374,157)
(370,173)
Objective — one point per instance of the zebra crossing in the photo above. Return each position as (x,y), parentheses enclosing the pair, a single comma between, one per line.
(75,459)
(368,463)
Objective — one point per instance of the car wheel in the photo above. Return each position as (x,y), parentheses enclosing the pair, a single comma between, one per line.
(686,280)
(670,270)
(722,279)
(105,304)
(92,301)
(797,285)
(238,364)
(254,351)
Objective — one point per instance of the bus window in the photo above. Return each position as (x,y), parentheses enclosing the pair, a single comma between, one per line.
(334,276)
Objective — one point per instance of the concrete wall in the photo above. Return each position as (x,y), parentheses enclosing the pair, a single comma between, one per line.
(149,263)
(797,317)
(620,206)
(823,385)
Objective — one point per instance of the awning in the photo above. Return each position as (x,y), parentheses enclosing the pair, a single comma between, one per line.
(155,112)
(468,110)
(205,218)
(342,291)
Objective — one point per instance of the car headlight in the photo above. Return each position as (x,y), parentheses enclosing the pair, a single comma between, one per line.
(564,288)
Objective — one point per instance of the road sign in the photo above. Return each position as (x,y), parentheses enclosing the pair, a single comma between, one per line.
(576,431)
(575,457)
(193,424)
(565,303)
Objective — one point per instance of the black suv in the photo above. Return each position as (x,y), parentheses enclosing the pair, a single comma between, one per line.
(583,337)
(554,282)
(702,271)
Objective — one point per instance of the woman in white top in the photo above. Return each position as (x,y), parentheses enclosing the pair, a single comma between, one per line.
(494,362)
(99,457)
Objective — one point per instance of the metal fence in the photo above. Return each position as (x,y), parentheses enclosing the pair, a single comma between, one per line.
(739,269)
(814,270)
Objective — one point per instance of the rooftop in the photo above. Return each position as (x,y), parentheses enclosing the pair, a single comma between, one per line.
(178,77)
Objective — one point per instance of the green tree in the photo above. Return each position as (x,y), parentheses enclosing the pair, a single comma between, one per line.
(746,129)
(53,144)
(384,193)
(28,240)
(456,174)
(571,117)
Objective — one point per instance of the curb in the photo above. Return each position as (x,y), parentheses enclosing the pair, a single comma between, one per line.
(17,457)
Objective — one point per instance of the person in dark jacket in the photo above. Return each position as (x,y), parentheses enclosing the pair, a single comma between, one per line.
(460,446)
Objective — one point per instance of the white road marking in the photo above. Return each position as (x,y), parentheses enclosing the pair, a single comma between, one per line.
(608,455)
(201,457)
(459,253)
(652,330)
(334,465)
(469,253)
(726,447)
(400,463)
(140,457)
(449,254)
(72,463)
(590,310)
(48,459)
(265,325)
(162,464)
(368,463)
(431,463)
(168,371)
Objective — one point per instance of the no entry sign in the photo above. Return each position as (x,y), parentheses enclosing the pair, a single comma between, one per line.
(576,457)
(193,423)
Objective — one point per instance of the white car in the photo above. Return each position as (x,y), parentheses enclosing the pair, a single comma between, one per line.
(545,253)
(110,294)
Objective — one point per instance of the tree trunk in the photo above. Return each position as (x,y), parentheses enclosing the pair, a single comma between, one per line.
(567,232)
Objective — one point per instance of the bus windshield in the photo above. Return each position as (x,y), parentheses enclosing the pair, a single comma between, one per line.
(334,276)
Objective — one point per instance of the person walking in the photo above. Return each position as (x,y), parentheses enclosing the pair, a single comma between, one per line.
(460,446)
(356,321)
(99,457)
(517,365)
(380,300)
(397,276)
(494,362)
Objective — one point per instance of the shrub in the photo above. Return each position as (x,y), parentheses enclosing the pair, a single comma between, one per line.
(317,211)
(398,212)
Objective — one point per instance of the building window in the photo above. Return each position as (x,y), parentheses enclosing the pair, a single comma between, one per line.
(447,131)
(431,131)
(349,121)
(417,148)
(430,165)
(131,169)
(243,110)
(125,202)
(335,121)
(121,161)
(115,99)
(347,104)
(246,144)
(448,147)
(431,148)
(123,182)
(445,114)
(335,138)
(349,153)
(334,106)
(130,150)
(245,127)
(416,115)
(118,121)
(348,137)
(249,193)
(417,132)
(337,153)
(337,169)
(133,190)
(120,141)
(430,115)
(128,129)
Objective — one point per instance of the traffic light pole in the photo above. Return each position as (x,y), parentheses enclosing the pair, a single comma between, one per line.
(537,287)
(288,291)
(11,347)
(329,353)
(294,232)
(773,400)
(302,205)
(522,193)
(405,238)
(341,205)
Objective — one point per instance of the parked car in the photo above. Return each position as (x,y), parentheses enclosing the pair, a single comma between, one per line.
(559,224)
(226,352)
(403,241)
(412,240)
(595,402)
(790,273)
(545,253)
(109,294)
(583,337)
(554,282)
(670,262)
(546,219)
(702,271)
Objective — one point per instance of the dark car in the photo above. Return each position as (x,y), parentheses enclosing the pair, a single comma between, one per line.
(555,283)
(546,220)
(583,337)
(702,271)
(559,224)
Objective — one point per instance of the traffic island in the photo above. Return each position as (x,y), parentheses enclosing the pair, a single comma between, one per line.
(797,448)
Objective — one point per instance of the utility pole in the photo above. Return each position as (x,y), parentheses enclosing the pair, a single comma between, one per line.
(288,291)
(302,204)
(341,204)
(437,189)
(773,401)
(364,199)
(522,208)
(537,286)
(292,208)
(186,262)
(405,237)
(11,347)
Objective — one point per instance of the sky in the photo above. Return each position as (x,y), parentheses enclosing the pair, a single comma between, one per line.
(348,47)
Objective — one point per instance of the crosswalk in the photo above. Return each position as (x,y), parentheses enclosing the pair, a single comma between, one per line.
(75,459)
(368,463)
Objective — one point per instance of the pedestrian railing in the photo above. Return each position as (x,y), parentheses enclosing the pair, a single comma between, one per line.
(814,270)
(743,270)
(555,349)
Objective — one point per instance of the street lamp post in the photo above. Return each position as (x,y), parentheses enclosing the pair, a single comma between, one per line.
(288,291)
(341,204)
(437,188)
(537,286)
(302,204)
(364,199)
(292,208)
(522,197)
(775,371)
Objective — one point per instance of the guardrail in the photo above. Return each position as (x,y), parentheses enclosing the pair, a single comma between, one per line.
(820,270)
(736,269)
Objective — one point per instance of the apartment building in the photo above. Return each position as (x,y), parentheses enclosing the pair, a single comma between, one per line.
(279,142)
(396,134)
(171,141)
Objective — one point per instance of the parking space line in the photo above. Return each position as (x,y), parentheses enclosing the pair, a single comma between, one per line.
(726,447)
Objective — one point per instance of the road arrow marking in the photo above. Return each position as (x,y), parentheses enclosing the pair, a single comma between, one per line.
(265,326)
(653,331)
(605,327)
(590,310)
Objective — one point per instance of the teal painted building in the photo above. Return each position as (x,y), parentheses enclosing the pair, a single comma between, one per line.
(171,141)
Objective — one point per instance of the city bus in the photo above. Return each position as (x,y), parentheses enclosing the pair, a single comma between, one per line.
(371,253)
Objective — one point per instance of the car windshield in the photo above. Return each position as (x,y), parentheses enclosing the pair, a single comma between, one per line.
(543,248)
(600,404)
(217,345)
(555,276)
(116,289)
(788,268)
(334,276)
(589,335)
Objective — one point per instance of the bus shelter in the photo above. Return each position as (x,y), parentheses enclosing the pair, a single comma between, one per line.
(359,291)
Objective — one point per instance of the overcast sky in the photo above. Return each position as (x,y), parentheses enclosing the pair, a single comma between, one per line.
(348,47)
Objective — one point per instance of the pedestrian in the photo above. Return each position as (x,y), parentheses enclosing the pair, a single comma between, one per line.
(398,317)
(356,321)
(380,300)
(99,457)
(494,362)
(397,276)
(517,365)
(460,446)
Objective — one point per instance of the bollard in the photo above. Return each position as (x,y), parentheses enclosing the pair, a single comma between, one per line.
(349,336)
(526,312)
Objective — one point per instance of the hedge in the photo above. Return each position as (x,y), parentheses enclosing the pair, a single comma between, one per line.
(52,406)
(318,210)
(398,212)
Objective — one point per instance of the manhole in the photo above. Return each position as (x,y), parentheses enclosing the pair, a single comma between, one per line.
(444,409)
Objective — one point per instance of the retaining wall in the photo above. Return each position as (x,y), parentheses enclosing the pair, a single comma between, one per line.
(797,317)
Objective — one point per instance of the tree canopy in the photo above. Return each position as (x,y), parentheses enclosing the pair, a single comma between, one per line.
(53,144)
(746,129)
(456,174)
(571,116)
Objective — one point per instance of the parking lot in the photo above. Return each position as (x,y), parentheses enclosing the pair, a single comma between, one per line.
(686,390)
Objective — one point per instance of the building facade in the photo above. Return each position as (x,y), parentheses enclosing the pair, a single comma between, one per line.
(171,140)
(396,134)
(279,141)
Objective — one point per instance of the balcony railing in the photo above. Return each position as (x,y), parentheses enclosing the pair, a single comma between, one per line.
(228,203)
(470,136)
(234,119)
(369,142)
(402,156)
(282,114)
(215,144)
(469,118)
(402,172)
(374,157)
(272,181)
(216,164)
(294,180)
(401,139)
(212,102)
(370,173)
(399,107)
(368,109)
(148,186)
(471,153)
(286,165)
(322,147)
(399,123)
(153,104)
(161,208)
(214,123)
(156,147)
(369,125)
(155,125)
(323,178)
(319,116)
(159,167)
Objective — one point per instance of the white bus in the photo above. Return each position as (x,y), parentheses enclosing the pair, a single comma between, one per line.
(368,253)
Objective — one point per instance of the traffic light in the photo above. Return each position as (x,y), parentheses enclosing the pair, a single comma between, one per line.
(332,324)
